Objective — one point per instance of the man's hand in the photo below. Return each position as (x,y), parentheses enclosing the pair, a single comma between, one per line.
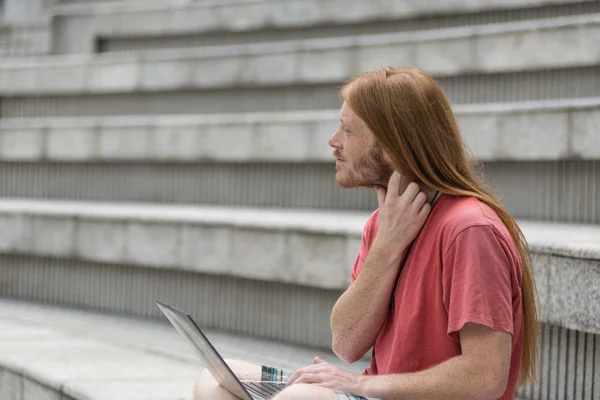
(401,216)
(327,375)
(360,312)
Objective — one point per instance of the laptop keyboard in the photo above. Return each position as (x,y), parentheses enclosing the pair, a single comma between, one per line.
(264,390)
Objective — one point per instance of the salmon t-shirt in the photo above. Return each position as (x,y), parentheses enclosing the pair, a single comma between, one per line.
(462,267)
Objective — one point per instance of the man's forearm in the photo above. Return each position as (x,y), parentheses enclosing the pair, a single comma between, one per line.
(457,378)
(360,312)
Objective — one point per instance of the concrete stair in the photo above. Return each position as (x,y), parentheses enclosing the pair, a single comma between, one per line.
(96,356)
(143,25)
(28,40)
(281,159)
(496,54)
(262,273)
(64,354)
(491,131)
(310,249)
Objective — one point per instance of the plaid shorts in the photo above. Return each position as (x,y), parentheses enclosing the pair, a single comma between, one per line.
(272,374)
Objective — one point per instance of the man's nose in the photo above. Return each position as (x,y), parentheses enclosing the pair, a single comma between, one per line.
(335,140)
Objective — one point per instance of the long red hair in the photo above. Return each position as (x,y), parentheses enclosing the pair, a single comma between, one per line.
(411,118)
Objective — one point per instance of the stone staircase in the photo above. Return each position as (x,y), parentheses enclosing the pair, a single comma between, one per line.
(180,151)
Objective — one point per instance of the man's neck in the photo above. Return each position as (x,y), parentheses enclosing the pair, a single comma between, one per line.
(432,194)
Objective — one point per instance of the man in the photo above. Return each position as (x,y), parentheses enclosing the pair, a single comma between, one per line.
(442,288)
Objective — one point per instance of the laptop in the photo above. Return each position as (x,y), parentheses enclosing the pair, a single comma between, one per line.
(212,360)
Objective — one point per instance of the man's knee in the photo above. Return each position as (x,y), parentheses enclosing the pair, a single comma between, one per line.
(301,391)
(205,386)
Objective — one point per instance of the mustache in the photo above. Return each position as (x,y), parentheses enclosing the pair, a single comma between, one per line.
(337,155)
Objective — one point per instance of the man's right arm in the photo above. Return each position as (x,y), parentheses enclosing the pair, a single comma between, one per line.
(360,312)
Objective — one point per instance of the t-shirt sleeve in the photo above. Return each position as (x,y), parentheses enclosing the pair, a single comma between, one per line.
(365,243)
(358,263)
(476,281)
(360,257)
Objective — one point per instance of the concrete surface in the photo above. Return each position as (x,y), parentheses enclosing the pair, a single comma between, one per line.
(526,131)
(272,246)
(78,25)
(444,52)
(162,236)
(62,354)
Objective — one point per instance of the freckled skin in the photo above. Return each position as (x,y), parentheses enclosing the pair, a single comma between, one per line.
(364,164)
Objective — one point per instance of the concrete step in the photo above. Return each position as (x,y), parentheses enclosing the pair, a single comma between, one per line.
(559,191)
(535,85)
(273,271)
(282,159)
(96,356)
(117,258)
(493,63)
(138,25)
(524,131)
(24,40)
(58,353)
